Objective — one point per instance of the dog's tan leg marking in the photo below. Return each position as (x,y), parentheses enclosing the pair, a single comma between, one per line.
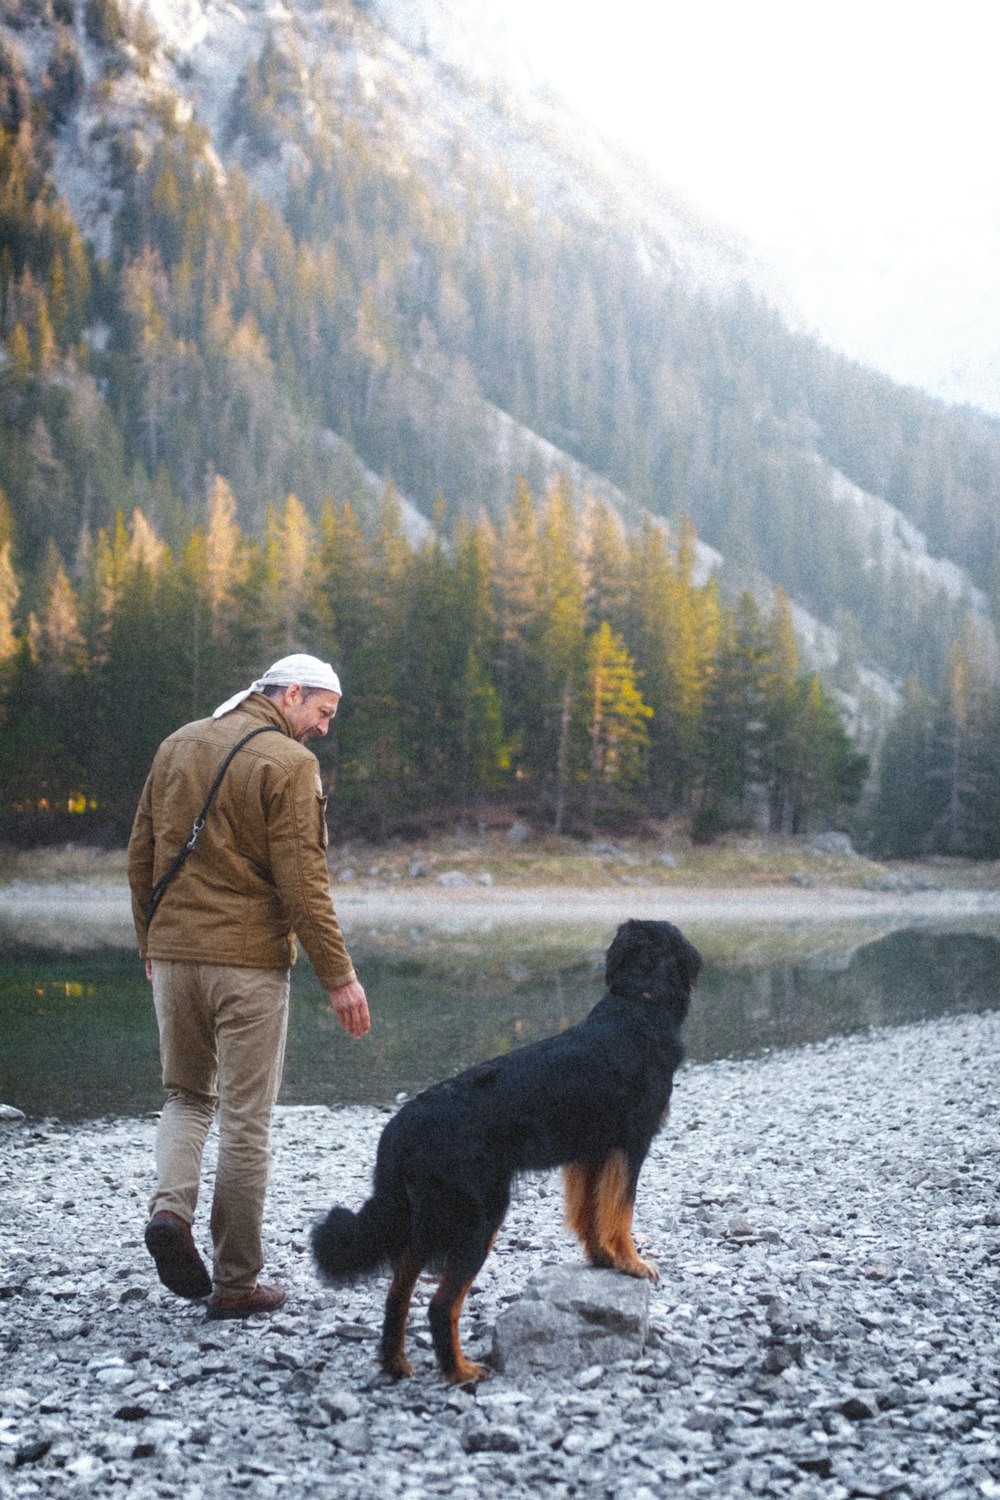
(582,1184)
(397,1309)
(445,1311)
(599,1210)
(614,1219)
(578,1182)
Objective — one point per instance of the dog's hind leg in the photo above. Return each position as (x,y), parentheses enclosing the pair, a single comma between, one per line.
(459,1273)
(406,1267)
(599,1205)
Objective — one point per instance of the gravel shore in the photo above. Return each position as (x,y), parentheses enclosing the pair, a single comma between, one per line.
(827,1324)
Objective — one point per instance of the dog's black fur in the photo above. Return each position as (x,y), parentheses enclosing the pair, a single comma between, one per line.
(589,1100)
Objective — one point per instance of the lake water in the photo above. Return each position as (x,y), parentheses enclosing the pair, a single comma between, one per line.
(79,1038)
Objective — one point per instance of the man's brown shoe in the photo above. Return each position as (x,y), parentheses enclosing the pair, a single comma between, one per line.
(263,1299)
(171,1244)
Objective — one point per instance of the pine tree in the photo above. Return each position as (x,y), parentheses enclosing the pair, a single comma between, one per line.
(225,562)
(140,680)
(347,607)
(373,764)
(604,558)
(516,589)
(20,363)
(54,634)
(616,724)
(906,803)
(214,570)
(560,645)
(965,760)
(102,586)
(38,775)
(10,592)
(290,546)
(673,626)
(734,719)
(483,755)
(787,746)
(694,625)
(830,773)
(64,78)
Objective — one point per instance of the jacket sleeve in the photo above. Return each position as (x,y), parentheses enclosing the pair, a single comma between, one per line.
(296,831)
(140,863)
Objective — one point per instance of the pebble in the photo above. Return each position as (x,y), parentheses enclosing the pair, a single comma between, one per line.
(826,1224)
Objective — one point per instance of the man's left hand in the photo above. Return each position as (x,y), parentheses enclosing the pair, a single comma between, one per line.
(350,1006)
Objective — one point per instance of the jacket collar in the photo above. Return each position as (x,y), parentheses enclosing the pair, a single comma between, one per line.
(262,710)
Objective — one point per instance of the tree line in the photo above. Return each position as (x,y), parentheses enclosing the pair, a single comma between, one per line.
(938,788)
(550,664)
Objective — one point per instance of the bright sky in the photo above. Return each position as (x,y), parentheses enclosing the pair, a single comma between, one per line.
(855,144)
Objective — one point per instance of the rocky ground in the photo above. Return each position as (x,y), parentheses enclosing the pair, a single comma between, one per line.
(827,1324)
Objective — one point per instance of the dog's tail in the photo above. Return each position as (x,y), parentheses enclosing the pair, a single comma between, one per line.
(345,1244)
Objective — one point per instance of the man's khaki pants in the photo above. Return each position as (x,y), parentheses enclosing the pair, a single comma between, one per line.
(222,1046)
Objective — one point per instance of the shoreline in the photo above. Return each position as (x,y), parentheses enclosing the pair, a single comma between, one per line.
(363,905)
(504,906)
(827,1228)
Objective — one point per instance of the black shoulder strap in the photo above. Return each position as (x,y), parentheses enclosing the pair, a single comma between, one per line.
(161,885)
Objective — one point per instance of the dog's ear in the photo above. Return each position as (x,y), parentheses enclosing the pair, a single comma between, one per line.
(622,946)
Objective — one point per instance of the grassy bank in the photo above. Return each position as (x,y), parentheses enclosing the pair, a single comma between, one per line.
(668,859)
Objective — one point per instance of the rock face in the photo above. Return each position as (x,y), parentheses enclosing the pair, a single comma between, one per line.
(826,1224)
(570,1318)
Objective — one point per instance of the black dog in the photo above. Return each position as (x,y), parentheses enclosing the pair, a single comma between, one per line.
(589,1100)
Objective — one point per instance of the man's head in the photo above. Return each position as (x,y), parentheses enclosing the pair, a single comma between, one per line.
(307,709)
(306,690)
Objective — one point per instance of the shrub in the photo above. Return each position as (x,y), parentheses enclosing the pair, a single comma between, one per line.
(708,824)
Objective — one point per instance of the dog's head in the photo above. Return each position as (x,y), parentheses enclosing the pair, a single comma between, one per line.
(653,958)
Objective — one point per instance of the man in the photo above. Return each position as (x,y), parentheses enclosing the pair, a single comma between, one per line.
(216,928)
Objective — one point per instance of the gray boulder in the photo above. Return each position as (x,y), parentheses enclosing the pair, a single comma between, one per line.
(570,1317)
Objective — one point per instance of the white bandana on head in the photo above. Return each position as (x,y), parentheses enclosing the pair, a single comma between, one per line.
(309,671)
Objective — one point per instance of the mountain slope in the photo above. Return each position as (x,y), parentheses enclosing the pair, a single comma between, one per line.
(332,251)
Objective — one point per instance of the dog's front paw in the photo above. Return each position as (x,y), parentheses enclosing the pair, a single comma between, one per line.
(642,1270)
(398,1366)
(625,1262)
(467,1372)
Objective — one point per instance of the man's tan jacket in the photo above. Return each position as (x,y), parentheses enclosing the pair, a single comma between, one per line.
(257,877)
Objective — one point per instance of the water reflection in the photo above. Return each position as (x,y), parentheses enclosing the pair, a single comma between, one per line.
(79,1038)
(909,975)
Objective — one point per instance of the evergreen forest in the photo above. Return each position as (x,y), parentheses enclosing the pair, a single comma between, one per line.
(566,671)
(447,413)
